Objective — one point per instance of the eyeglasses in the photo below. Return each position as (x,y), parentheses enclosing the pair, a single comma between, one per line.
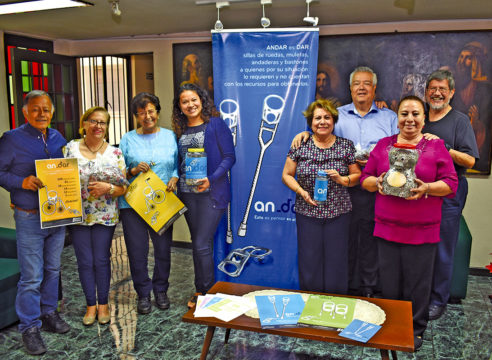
(142,114)
(442,90)
(95,122)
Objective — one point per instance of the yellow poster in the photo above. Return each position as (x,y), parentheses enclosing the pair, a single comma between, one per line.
(147,195)
(60,202)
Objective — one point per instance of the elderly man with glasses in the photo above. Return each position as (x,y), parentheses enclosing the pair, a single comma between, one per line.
(455,129)
(38,250)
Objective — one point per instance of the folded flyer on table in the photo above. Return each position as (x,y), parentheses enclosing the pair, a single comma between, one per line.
(360,331)
(279,310)
(224,307)
(328,311)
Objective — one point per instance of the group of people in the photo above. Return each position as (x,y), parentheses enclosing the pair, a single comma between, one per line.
(105,173)
(361,240)
(357,241)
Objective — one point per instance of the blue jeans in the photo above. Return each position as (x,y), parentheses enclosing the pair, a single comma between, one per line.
(202,219)
(92,246)
(38,253)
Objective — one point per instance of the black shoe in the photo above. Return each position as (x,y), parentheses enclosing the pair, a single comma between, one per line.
(33,341)
(436,311)
(454,300)
(161,300)
(144,306)
(417,343)
(54,323)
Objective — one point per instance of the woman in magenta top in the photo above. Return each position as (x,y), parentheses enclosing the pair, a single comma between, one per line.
(408,229)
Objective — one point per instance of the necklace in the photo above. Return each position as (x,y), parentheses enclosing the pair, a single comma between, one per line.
(94,151)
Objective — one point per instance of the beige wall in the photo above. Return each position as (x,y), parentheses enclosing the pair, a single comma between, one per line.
(478,207)
(142,66)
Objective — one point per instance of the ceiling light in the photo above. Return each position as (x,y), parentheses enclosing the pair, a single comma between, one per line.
(38,5)
(309,19)
(265,22)
(218,24)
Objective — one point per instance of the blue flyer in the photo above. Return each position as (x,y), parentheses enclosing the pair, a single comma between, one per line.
(279,310)
(360,331)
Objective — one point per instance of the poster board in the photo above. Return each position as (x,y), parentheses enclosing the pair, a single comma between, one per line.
(159,208)
(60,201)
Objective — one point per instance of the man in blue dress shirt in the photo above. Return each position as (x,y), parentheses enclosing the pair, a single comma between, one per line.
(38,250)
(365,124)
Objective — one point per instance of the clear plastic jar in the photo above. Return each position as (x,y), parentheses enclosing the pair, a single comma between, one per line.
(196,165)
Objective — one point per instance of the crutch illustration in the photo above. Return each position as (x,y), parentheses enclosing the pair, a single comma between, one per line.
(273,106)
(229,112)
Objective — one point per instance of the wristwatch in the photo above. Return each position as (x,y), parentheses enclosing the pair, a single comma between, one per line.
(111,189)
(448,147)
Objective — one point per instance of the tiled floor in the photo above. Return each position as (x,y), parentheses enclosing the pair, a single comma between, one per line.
(464,332)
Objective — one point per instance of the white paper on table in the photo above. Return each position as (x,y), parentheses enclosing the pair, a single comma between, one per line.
(202,302)
(226,308)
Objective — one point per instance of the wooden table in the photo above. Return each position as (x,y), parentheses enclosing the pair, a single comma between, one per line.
(396,333)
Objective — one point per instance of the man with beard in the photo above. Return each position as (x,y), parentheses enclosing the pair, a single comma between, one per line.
(455,129)
(323,85)
(473,98)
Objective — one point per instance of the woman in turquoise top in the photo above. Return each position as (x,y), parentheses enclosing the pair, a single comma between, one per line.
(148,147)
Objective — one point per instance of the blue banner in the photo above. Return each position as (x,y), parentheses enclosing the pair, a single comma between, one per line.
(263,81)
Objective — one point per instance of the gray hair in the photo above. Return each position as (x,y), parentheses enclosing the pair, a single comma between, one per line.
(441,75)
(365,69)
(37,93)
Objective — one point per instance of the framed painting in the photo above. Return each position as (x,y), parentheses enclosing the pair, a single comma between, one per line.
(192,63)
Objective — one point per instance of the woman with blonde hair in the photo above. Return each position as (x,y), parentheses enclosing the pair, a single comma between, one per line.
(102,179)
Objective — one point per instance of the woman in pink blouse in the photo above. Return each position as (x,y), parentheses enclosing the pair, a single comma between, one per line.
(322,228)
(408,228)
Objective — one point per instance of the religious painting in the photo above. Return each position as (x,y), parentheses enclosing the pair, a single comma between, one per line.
(403,62)
(192,63)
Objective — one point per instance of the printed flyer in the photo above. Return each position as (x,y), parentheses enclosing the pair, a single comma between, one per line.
(60,202)
(328,311)
(147,195)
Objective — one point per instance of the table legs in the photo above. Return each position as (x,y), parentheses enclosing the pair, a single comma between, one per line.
(385,354)
(207,341)
(211,331)
(228,332)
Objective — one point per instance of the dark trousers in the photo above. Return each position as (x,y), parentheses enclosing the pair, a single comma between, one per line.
(202,219)
(449,233)
(405,274)
(92,245)
(137,233)
(322,250)
(363,248)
